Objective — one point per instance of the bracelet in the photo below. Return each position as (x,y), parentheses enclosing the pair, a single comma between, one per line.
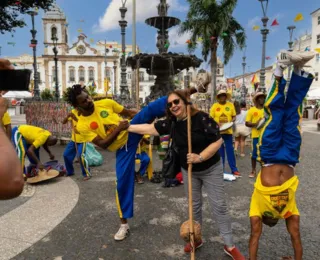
(201,158)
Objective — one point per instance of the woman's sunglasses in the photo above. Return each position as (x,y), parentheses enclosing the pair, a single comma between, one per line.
(175,101)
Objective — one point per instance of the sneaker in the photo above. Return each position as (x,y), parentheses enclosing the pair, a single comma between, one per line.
(234,253)
(236,173)
(187,247)
(122,233)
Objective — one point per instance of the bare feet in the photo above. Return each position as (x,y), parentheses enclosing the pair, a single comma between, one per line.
(252,174)
(287,258)
(86,178)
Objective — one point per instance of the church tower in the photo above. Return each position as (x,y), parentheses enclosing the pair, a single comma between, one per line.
(55,23)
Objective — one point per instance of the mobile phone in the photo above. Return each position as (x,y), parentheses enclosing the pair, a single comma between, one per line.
(17,80)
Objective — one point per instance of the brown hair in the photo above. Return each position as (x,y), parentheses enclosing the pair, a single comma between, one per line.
(185,99)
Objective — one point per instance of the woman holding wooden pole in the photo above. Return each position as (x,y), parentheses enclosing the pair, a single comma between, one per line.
(203,160)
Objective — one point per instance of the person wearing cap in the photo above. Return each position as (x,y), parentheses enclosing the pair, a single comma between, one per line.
(278,148)
(224,112)
(253,118)
(28,139)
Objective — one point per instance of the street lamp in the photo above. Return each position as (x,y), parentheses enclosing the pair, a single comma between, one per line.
(290,43)
(34,47)
(55,51)
(264,32)
(243,88)
(124,92)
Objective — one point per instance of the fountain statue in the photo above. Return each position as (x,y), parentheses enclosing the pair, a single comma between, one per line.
(163,65)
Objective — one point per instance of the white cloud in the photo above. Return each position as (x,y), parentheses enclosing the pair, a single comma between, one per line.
(254,21)
(176,40)
(144,9)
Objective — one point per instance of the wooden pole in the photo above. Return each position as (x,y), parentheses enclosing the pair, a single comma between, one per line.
(191,226)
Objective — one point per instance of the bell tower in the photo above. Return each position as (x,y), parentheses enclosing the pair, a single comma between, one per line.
(55,23)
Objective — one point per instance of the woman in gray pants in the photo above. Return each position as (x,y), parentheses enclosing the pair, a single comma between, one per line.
(207,169)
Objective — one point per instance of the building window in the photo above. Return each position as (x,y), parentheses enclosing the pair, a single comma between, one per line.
(53,74)
(180,76)
(141,76)
(218,71)
(129,75)
(140,88)
(91,74)
(39,78)
(318,39)
(316,76)
(190,74)
(53,32)
(318,20)
(71,74)
(108,73)
(81,74)
(151,78)
(317,58)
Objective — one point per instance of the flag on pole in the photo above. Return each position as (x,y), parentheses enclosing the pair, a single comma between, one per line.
(256,27)
(299,17)
(275,22)
(79,30)
(254,81)
(268,58)
(307,49)
(317,50)
(11,43)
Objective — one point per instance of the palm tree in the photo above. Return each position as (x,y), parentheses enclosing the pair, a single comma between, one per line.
(211,23)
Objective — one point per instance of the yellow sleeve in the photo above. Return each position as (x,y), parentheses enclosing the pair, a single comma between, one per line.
(212,109)
(86,134)
(6,119)
(116,107)
(41,139)
(233,110)
(249,116)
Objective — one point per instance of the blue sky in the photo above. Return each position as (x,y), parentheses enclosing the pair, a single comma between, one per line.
(101,22)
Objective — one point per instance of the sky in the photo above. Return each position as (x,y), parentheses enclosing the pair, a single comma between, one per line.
(99,20)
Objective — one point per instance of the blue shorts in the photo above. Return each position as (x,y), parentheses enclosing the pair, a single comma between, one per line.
(254,148)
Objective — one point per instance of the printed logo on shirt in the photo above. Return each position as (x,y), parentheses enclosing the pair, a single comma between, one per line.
(223,118)
(218,109)
(280,201)
(255,114)
(94,125)
(104,114)
(227,108)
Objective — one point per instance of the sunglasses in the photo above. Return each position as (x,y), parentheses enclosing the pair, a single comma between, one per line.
(175,101)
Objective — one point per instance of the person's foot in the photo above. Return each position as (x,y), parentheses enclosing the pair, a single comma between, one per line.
(86,178)
(139,178)
(252,174)
(234,253)
(187,247)
(242,155)
(236,173)
(122,233)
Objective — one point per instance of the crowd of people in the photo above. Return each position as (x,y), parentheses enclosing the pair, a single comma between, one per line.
(274,123)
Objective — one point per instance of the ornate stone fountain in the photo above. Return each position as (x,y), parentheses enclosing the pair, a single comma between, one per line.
(163,65)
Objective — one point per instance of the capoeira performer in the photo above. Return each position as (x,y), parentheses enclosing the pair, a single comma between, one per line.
(278,151)
(76,147)
(28,139)
(101,123)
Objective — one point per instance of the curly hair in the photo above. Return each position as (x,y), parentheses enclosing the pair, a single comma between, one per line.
(72,93)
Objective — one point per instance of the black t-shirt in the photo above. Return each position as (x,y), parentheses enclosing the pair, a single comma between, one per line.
(204,131)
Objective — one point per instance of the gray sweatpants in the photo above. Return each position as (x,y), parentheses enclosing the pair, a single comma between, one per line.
(212,181)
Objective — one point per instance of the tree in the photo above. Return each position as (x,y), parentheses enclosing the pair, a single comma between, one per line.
(211,23)
(11,10)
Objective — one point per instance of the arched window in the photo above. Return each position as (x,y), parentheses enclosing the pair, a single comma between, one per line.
(72,74)
(108,73)
(218,71)
(81,73)
(141,76)
(91,73)
(54,32)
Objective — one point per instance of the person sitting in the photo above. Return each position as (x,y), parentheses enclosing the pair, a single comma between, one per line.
(144,158)
(28,139)
(278,151)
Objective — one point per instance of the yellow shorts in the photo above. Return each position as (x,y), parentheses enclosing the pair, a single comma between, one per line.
(276,202)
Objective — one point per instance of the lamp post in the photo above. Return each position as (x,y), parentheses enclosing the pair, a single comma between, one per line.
(124,92)
(264,32)
(34,47)
(243,88)
(290,43)
(55,51)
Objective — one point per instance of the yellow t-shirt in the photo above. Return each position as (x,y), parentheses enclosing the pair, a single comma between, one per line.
(75,135)
(102,122)
(277,202)
(6,120)
(34,135)
(253,116)
(143,146)
(223,114)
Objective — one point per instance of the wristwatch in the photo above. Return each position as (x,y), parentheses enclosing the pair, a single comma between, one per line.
(201,158)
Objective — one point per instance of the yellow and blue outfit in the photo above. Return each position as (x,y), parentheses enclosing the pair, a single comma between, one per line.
(279,143)
(26,135)
(102,122)
(253,116)
(70,152)
(143,156)
(223,114)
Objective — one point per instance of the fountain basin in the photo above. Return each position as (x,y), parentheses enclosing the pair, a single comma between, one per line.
(162,22)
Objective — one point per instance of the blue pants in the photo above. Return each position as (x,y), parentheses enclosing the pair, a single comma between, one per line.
(280,138)
(228,146)
(69,155)
(125,158)
(254,148)
(144,162)
(22,147)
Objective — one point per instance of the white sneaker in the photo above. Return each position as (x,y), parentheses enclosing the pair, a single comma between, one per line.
(122,233)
